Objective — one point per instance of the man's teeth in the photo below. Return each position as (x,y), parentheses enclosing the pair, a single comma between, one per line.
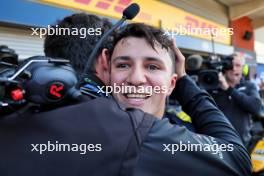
(142,96)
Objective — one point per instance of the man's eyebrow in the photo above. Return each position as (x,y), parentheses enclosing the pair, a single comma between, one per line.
(153,59)
(124,58)
(147,58)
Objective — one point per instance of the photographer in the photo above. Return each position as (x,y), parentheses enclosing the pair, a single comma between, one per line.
(131,142)
(238,99)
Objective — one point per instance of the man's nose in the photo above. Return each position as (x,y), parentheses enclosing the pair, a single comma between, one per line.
(137,76)
(237,68)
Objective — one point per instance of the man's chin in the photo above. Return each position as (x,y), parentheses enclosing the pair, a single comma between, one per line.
(134,102)
(141,107)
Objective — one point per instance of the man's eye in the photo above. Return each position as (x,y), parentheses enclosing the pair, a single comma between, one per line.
(153,67)
(122,66)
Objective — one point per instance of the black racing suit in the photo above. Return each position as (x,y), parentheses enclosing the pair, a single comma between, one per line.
(158,158)
(132,142)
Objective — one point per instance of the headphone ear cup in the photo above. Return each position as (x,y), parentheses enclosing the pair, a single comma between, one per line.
(51,83)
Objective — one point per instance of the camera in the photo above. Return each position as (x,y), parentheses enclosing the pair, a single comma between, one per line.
(205,70)
(41,81)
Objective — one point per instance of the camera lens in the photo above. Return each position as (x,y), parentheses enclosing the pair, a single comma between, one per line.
(208,79)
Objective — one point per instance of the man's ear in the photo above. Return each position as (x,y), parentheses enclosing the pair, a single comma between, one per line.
(172,83)
(103,68)
(105,60)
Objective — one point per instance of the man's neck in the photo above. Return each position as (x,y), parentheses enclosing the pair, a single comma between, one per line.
(232,84)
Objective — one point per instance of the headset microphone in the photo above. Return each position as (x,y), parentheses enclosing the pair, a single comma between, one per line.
(129,13)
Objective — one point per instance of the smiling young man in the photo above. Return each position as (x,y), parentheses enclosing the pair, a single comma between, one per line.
(143,58)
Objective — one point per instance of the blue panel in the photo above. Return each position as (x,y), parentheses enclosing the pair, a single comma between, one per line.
(202,45)
(260,68)
(30,13)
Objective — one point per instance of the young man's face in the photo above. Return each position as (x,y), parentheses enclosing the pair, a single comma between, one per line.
(135,63)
